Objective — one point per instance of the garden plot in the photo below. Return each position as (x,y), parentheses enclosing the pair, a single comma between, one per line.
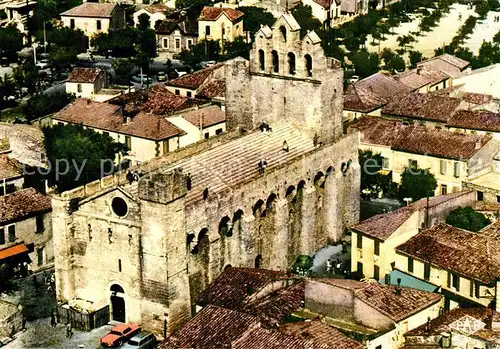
(427,42)
(485,30)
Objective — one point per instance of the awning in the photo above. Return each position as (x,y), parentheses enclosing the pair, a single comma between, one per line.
(13,251)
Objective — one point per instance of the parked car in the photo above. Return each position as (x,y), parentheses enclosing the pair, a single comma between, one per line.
(160,76)
(5,61)
(353,79)
(120,334)
(141,78)
(143,340)
(43,63)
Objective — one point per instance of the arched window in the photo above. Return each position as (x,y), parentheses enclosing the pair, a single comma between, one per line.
(116,288)
(257,208)
(291,63)
(224,228)
(258,261)
(262,60)
(276,62)
(309,65)
(283,32)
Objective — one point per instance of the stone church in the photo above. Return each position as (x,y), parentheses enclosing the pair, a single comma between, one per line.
(283,181)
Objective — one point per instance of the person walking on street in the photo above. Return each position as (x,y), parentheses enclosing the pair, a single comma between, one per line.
(53,322)
(23,324)
(69,330)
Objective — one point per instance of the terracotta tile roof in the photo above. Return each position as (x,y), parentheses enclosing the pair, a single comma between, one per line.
(108,117)
(13,251)
(212,327)
(213,89)
(261,338)
(235,286)
(324,3)
(385,299)
(419,77)
(91,9)
(274,308)
(396,307)
(321,333)
(473,255)
(475,120)
(207,116)
(158,100)
(169,25)
(420,140)
(196,79)
(373,92)
(22,204)
(213,13)
(85,75)
(447,58)
(442,323)
(379,131)
(9,168)
(382,226)
(477,98)
(424,106)
(438,200)
(450,91)
(159,7)
(487,206)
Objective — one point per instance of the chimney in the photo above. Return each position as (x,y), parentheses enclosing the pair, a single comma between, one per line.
(419,69)
(478,145)
(398,287)
(428,325)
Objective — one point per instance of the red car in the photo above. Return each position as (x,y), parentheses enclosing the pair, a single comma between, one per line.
(120,334)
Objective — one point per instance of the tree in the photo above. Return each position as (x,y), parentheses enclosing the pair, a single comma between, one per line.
(416,183)
(237,48)
(303,15)
(11,40)
(125,68)
(387,55)
(192,7)
(396,64)
(415,57)
(365,63)
(41,104)
(144,22)
(7,89)
(482,8)
(26,75)
(255,17)
(372,181)
(467,218)
(83,155)
(205,50)
(67,38)
(405,40)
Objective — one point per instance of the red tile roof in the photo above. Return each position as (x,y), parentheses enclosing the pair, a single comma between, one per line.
(324,3)
(236,285)
(213,89)
(13,251)
(91,9)
(320,333)
(475,120)
(477,98)
(379,131)
(207,116)
(275,307)
(213,13)
(195,80)
(419,77)
(397,307)
(373,92)
(261,338)
(426,106)
(212,327)
(23,204)
(157,100)
(9,168)
(447,58)
(382,226)
(420,140)
(85,75)
(441,323)
(108,117)
(385,299)
(473,255)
